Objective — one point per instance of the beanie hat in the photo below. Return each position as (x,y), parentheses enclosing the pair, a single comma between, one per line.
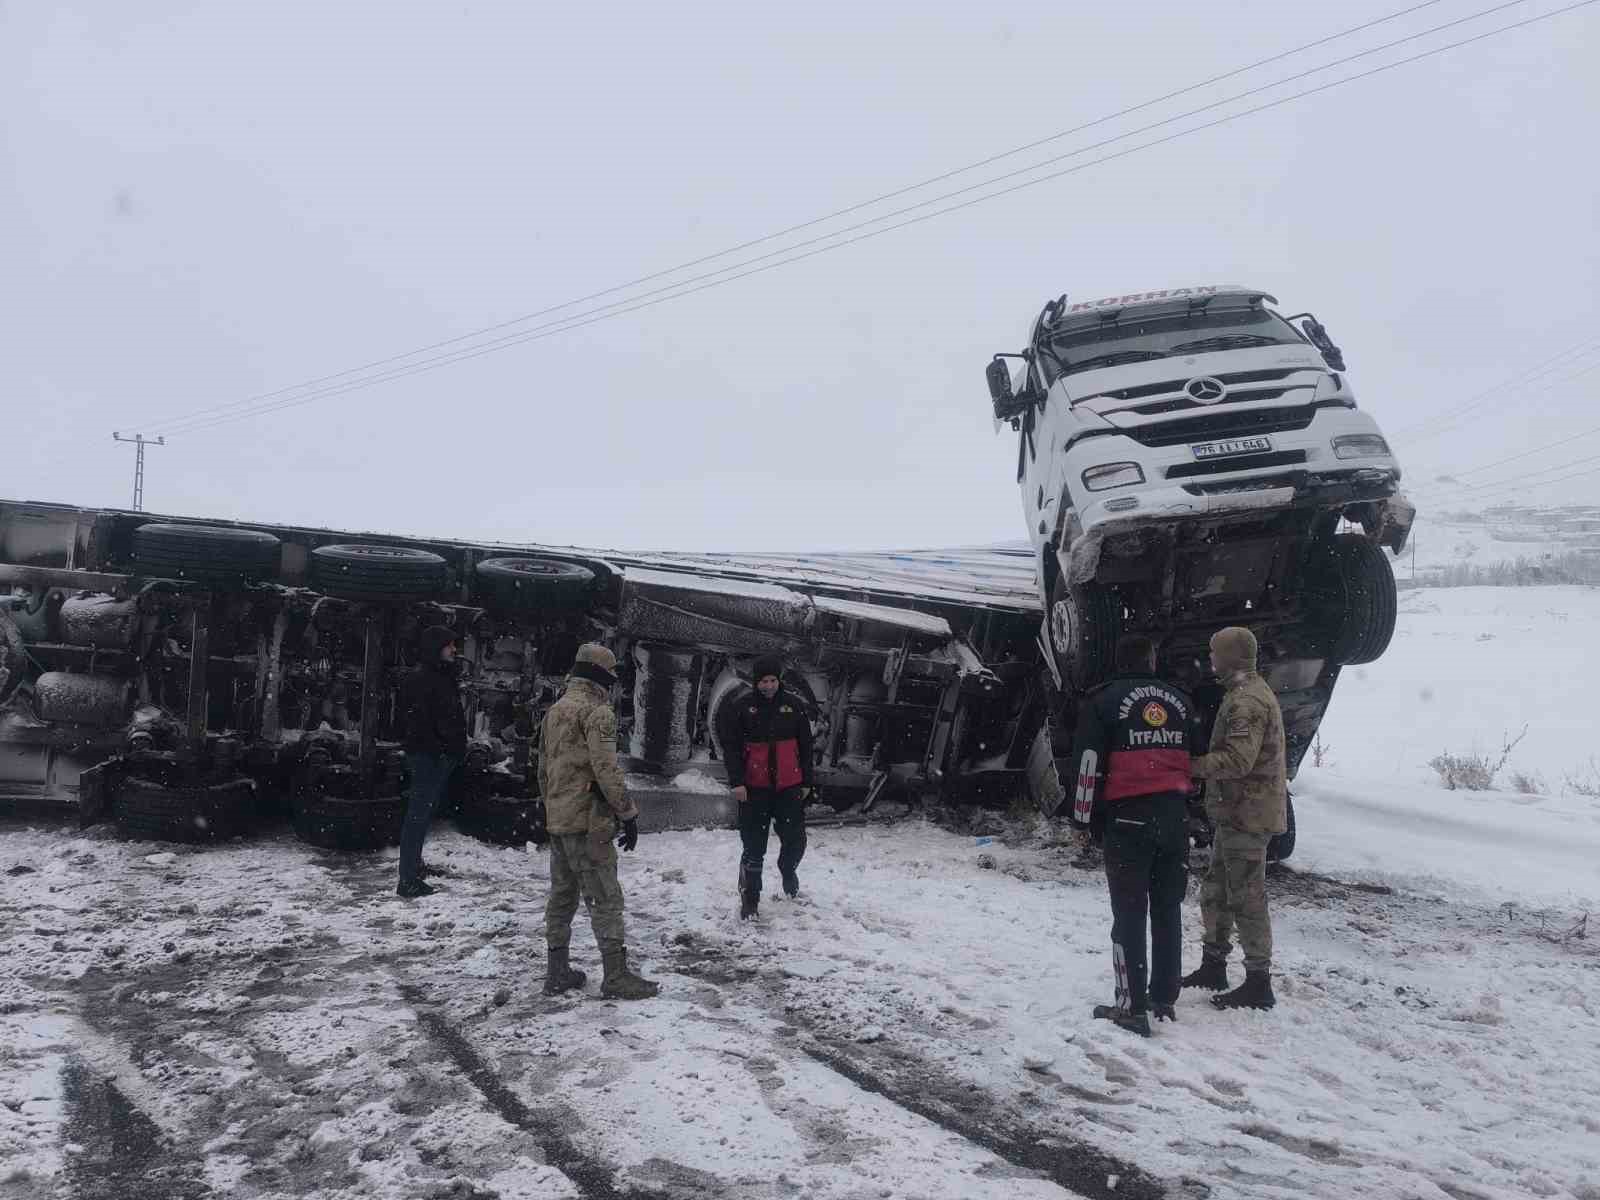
(767,664)
(432,641)
(1235,649)
(596,664)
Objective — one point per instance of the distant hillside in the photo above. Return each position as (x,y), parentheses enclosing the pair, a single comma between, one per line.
(1505,544)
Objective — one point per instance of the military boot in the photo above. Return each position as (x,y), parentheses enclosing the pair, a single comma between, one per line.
(1211,975)
(559,975)
(1133,1022)
(1254,992)
(619,982)
(1164,1012)
(791,882)
(749,904)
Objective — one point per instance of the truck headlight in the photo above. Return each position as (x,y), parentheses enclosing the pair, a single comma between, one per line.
(1112,475)
(1360,445)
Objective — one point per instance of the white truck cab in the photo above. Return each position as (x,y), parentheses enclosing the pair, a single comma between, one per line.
(1191,458)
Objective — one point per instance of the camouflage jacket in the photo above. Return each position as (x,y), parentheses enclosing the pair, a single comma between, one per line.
(1248,785)
(579,777)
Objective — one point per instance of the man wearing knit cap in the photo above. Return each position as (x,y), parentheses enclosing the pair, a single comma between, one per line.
(1247,802)
(435,732)
(768,751)
(584,803)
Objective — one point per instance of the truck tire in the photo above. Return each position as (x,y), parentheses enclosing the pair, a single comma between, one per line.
(335,823)
(502,820)
(152,811)
(1281,847)
(522,585)
(209,554)
(1356,601)
(378,572)
(1085,621)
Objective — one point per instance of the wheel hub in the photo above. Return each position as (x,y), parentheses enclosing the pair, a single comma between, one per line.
(1064,626)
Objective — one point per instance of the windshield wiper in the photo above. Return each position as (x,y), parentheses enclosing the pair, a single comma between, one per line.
(1111,360)
(1228,341)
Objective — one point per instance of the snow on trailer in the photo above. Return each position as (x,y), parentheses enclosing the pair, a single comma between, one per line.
(190,681)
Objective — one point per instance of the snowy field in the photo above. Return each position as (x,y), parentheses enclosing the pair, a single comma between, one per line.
(263,1019)
(1438,544)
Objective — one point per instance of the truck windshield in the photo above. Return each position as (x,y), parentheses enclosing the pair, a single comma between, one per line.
(1160,331)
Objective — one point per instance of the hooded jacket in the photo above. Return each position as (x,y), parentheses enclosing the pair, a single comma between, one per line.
(430,700)
(1247,778)
(579,776)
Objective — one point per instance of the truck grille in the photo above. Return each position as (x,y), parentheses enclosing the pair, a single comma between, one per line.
(1183,402)
(1215,425)
(1239,462)
(1232,380)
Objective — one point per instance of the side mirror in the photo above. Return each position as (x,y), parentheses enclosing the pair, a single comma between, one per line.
(1007,405)
(999,376)
(1318,333)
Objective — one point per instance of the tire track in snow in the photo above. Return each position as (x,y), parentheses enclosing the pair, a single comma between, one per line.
(121,1153)
(1074,1165)
(925,1091)
(594,1180)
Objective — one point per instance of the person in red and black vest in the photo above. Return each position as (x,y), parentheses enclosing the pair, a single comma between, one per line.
(1133,742)
(768,749)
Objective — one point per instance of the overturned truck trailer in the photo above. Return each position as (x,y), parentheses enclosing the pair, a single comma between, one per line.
(190,680)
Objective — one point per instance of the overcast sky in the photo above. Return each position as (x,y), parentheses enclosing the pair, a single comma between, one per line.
(205,202)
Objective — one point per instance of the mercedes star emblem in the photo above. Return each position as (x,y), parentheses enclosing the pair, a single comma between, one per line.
(1205,390)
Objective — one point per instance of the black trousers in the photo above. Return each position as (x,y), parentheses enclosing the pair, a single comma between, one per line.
(761,813)
(430,781)
(1147,868)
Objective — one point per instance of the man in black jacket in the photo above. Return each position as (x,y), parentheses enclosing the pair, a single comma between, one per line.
(768,749)
(435,740)
(1133,741)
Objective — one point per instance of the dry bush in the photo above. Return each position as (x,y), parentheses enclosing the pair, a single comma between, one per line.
(1321,755)
(1475,772)
(1570,568)
(1464,772)
(1529,783)
(1585,781)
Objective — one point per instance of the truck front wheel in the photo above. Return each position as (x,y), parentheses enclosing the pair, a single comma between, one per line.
(1354,601)
(1084,622)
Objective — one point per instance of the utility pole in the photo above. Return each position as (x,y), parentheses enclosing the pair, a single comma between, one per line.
(140,441)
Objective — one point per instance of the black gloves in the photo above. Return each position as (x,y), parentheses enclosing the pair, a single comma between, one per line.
(629,837)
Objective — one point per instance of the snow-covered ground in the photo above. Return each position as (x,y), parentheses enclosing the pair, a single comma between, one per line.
(263,1019)
(1442,543)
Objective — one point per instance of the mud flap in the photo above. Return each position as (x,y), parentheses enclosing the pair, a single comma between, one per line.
(1044,780)
(96,787)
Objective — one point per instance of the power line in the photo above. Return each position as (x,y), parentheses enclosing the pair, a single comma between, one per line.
(1549,388)
(1520,487)
(1515,457)
(1515,383)
(1530,375)
(561,324)
(1466,489)
(837,213)
(678,291)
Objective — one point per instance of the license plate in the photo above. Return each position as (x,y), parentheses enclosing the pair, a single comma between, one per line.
(1250,445)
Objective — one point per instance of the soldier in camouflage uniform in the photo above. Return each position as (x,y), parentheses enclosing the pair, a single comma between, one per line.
(1246,798)
(584,801)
